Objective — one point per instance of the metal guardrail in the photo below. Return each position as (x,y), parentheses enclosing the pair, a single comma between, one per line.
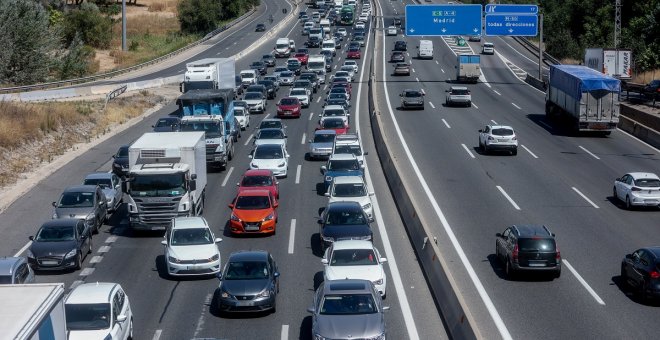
(530,46)
(110,74)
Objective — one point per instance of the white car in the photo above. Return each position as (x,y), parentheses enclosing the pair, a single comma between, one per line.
(363,17)
(270,136)
(191,248)
(273,157)
(335,111)
(497,138)
(344,74)
(638,189)
(242,116)
(98,310)
(302,94)
(349,143)
(360,25)
(458,95)
(256,101)
(342,31)
(355,259)
(392,30)
(353,64)
(350,69)
(351,189)
(488,48)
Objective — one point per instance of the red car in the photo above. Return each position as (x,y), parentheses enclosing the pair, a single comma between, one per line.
(333,123)
(302,57)
(354,53)
(289,107)
(259,179)
(253,212)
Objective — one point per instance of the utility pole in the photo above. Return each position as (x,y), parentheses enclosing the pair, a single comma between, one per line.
(541,46)
(123,25)
(617,34)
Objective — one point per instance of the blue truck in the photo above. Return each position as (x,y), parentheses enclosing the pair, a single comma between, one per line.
(585,99)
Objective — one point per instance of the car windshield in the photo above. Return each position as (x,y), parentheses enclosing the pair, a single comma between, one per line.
(289,101)
(324,138)
(332,123)
(347,68)
(55,234)
(268,153)
(536,244)
(647,182)
(413,94)
(246,270)
(239,112)
(247,75)
(293,63)
(267,56)
(353,49)
(343,164)
(102,182)
(252,95)
(252,202)
(335,113)
(76,200)
(402,65)
(353,257)
(286,74)
(348,304)
(298,92)
(270,124)
(270,134)
(122,152)
(337,96)
(87,316)
(257,181)
(170,185)
(348,149)
(338,89)
(165,122)
(212,129)
(191,237)
(502,132)
(349,190)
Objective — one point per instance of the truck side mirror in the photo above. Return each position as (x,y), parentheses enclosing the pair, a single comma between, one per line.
(193,176)
(193,185)
(124,187)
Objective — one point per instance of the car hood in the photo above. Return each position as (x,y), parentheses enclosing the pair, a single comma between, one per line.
(267,163)
(288,107)
(371,272)
(79,213)
(362,200)
(321,145)
(338,232)
(88,334)
(52,248)
(196,252)
(253,101)
(337,173)
(121,160)
(252,215)
(244,287)
(349,326)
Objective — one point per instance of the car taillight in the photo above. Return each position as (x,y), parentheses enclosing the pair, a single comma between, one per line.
(491,138)
(514,254)
(558,255)
(654,274)
(514,138)
(635,189)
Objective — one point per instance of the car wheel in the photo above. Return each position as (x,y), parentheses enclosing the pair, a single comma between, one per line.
(497,252)
(614,194)
(623,275)
(97,226)
(89,250)
(628,204)
(485,148)
(78,261)
(514,152)
(130,330)
(508,268)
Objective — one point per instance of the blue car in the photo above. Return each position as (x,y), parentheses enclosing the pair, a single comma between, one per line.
(341,165)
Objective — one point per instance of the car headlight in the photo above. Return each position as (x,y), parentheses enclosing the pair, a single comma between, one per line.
(30,254)
(71,254)
(378,282)
(235,218)
(173,259)
(319,337)
(269,217)
(226,295)
(366,206)
(55,215)
(328,239)
(265,293)
(220,148)
(216,257)
(328,178)
(281,164)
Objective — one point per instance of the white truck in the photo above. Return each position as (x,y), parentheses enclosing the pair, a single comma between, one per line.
(316,64)
(219,141)
(605,60)
(468,68)
(33,312)
(166,178)
(283,48)
(209,73)
(425,49)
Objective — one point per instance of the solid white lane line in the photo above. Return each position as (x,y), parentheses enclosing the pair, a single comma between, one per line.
(468,150)
(298,171)
(402,298)
(497,319)
(528,150)
(639,140)
(494,122)
(583,282)
(585,197)
(157,334)
(224,182)
(446,124)
(433,106)
(513,203)
(202,316)
(25,247)
(285,332)
(292,235)
(304,136)
(517,107)
(249,139)
(499,94)
(589,152)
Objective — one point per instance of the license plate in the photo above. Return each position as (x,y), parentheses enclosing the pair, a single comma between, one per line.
(158,228)
(501,140)
(287,112)
(537,264)
(252,228)
(49,263)
(244,303)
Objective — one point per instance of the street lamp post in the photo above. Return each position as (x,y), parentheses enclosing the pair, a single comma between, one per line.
(123,25)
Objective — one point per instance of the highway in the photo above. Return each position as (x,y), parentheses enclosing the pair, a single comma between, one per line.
(562,181)
(179,309)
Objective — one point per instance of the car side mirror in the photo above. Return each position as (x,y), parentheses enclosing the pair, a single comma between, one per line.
(327,194)
(231,205)
(250,155)
(383,259)
(217,239)
(54,204)
(320,115)
(121,318)
(163,242)
(348,114)
(31,238)
(498,235)
(310,309)
(628,256)
(361,166)
(276,274)
(480,130)
(219,276)
(153,126)
(276,204)
(365,153)
(324,261)
(323,168)
(618,179)
(372,193)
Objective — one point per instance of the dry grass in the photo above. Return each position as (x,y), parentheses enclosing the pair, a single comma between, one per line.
(33,133)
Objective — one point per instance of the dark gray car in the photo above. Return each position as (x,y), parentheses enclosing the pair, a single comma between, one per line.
(248,283)
(120,161)
(110,185)
(60,244)
(15,270)
(83,202)
(348,309)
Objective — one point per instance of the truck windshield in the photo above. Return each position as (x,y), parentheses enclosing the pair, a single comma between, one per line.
(316,65)
(159,185)
(212,129)
(87,316)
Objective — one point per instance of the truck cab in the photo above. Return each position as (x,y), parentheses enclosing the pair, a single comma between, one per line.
(219,143)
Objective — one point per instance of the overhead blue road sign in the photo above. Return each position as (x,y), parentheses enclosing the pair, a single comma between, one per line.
(512,25)
(521,9)
(435,20)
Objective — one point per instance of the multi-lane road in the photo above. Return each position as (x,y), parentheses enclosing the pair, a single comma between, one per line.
(179,309)
(562,181)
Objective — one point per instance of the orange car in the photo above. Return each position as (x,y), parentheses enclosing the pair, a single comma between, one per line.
(254,211)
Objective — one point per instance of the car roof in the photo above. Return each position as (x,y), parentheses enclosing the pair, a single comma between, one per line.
(654,249)
(192,222)
(348,180)
(248,255)
(97,175)
(325,132)
(258,172)
(352,244)
(270,146)
(61,222)
(532,230)
(348,286)
(640,175)
(93,292)
(342,157)
(8,264)
(334,107)
(254,192)
(501,127)
(81,188)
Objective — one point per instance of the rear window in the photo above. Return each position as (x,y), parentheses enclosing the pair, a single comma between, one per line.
(502,132)
(647,183)
(543,245)
(460,92)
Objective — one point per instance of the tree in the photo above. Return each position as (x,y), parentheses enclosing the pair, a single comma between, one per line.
(27,42)
(95,29)
(199,16)
(76,60)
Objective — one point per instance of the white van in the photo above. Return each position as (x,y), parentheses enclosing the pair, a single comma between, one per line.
(282,48)
(329,45)
(316,64)
(425,49)
(325,25)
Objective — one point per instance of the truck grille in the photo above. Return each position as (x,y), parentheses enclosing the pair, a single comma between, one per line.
(160,213)
(210,148)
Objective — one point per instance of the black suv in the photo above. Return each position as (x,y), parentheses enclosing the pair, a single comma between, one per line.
(400,45)
(343,221)
(271,88)
(528,248)
(313,42)
(641,270)
(260,66)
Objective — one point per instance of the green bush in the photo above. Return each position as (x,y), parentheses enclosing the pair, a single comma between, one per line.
(94,27)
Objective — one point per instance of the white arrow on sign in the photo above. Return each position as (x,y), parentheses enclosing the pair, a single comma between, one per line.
(510,30)
(412,30)
(475,30)
(444,30)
